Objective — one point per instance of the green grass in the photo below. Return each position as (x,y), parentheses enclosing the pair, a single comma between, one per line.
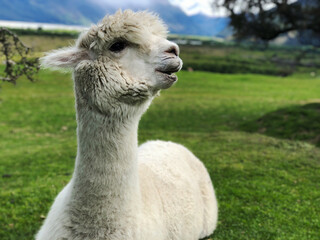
(256,134)
(224,58)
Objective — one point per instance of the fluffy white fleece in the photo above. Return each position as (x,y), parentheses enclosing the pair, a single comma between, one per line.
(159,191)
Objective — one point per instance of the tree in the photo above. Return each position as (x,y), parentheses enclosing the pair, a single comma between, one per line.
(15,58)
(267,19)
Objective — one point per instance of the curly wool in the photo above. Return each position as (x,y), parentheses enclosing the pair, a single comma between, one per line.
(125,25)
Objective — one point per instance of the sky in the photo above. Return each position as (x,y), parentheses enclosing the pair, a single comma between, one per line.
(190,7)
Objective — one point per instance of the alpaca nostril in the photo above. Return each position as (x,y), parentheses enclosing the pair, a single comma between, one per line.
(173,50)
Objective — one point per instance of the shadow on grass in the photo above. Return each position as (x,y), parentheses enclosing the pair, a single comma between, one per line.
(301,122)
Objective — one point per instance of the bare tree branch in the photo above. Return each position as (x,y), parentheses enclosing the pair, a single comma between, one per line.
(15,58)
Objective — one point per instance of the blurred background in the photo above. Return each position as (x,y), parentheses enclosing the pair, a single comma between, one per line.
(247,103)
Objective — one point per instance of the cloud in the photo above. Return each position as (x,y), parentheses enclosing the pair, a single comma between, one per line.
(192,7)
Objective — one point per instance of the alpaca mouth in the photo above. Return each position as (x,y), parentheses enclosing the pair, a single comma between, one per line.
(169,74)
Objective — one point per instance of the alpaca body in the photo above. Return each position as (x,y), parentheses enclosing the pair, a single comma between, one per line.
(177,193)
(118,191)
(177,201)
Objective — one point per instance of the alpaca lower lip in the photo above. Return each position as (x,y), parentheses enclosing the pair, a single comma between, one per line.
(169,75)
(172,77)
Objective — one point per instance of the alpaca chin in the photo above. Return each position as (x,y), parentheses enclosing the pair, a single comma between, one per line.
(166,80)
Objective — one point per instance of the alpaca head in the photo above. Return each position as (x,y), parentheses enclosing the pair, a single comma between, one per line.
(125,59)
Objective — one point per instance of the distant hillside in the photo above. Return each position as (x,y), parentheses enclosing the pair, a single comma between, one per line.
(86,12)
(57,11)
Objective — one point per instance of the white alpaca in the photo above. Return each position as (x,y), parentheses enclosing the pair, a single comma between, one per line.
(159,191)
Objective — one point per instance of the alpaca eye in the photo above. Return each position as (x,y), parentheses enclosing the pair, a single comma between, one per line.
(118,46)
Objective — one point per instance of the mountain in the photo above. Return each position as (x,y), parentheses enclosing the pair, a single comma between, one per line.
(57,11)
(86,12)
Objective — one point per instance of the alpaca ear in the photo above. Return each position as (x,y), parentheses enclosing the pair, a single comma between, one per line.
(64,58)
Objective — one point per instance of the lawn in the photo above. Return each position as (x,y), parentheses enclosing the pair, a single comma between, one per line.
(257,135)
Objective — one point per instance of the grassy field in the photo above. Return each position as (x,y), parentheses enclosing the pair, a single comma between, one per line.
(224,58)
(257,135)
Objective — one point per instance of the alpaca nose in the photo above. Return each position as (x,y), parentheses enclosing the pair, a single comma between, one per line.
(173,50)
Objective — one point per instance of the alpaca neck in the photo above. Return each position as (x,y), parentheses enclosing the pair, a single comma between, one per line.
(107,152)
(105,180)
